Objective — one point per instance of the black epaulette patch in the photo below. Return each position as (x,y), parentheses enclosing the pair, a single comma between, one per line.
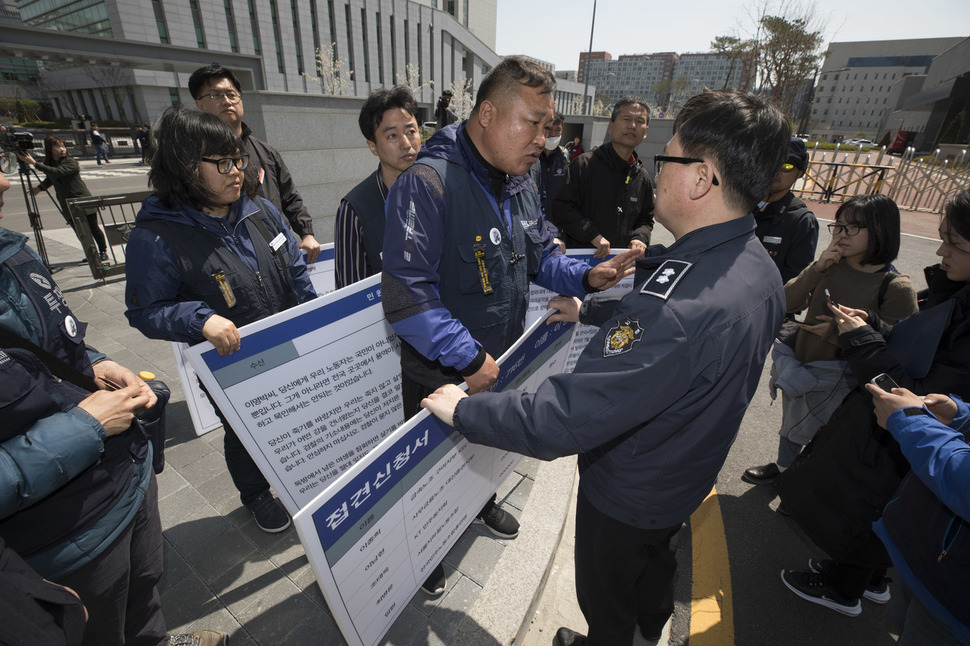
(621,337)
(665,278)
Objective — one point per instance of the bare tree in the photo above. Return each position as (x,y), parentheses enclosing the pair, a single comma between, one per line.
(461,100)
(783,50)
(333,77)
(114,80)
(411,79)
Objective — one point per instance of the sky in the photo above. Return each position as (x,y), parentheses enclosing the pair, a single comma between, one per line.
(557,30)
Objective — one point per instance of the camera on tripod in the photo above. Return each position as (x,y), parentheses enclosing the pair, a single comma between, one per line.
(16,141)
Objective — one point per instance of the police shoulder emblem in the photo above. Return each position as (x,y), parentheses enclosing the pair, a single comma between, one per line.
(665,278)
(621,337)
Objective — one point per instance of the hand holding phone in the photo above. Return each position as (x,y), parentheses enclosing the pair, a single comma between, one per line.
(885,382)
(829,298)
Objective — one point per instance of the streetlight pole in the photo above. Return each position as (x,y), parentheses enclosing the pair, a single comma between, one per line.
(589,54)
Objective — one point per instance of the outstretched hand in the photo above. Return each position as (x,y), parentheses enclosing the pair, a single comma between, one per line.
(610,272)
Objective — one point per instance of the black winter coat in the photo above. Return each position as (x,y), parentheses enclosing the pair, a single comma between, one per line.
(843,479)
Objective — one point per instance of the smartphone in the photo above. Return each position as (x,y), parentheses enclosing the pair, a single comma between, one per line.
(828,297)
(885,382)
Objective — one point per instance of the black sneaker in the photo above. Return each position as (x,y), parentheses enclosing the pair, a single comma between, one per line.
(814,587)
(269,514)
(499,522)
(104,256)
(201,638)
(434,585)
(761,475)
(566,637)
(876,593)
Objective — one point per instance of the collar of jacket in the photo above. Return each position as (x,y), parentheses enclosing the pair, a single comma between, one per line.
(608,154)
(10,243)
(700,240)
(154,209)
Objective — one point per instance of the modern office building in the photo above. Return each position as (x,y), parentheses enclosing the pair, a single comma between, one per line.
(444,41)
(661,78)
(861,84)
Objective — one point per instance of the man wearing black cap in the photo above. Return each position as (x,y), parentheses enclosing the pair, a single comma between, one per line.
(785,225)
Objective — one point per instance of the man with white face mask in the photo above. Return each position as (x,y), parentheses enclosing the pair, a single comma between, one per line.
(549,172)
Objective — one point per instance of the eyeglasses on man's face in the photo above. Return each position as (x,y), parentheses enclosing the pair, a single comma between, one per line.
(848,229)
(224,164)
(216,95)
(660,160)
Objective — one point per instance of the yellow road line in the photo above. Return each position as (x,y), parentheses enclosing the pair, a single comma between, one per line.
(711,610)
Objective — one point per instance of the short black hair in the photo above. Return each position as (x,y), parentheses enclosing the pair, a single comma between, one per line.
(745,135)
(380,102)
(180,139)
(630,100)
(201,77)
(510,75)
(557,117)
(880,215)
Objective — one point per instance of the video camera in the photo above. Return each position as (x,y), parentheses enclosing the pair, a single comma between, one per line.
(16,141)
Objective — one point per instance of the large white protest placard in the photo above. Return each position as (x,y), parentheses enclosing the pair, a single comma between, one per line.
(377,532)
(204,417)
(311,389)
(539,299)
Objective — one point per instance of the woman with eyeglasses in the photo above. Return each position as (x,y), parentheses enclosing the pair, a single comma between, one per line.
(855,269)
(843,479)
(206,257)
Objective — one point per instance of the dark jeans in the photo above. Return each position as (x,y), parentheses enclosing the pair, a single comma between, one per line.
(96,232)
(245,474)
(624,576)
(118,587)
(851,580)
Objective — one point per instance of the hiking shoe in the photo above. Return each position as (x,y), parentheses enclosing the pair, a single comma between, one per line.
(876,593)
(201,638)
(761,475)
(567,637)
(814,587)
(434,585)
(269,514)
(499,522)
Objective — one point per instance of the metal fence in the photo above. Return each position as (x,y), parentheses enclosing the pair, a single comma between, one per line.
(116,217)
(922,184)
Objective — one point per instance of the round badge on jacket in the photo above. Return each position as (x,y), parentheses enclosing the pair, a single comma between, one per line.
(495,236)
(70,326)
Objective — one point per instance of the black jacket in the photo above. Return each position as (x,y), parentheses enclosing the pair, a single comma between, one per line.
(789,231)
(277,184)
(604,195)
(843,479)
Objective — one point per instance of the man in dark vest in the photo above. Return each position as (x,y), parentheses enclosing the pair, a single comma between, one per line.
(388,123)
(465,236)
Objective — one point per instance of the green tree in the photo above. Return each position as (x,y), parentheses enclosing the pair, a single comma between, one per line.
(787,55)
(737,51)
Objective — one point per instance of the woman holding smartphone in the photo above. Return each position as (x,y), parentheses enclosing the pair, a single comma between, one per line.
(855,268)
(844,478)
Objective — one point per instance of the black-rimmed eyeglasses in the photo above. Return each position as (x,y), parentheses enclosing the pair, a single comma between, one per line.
(848,229)
(660,160)
(225,164)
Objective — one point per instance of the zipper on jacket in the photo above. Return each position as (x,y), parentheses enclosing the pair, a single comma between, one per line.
(949,540)
(262,285)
